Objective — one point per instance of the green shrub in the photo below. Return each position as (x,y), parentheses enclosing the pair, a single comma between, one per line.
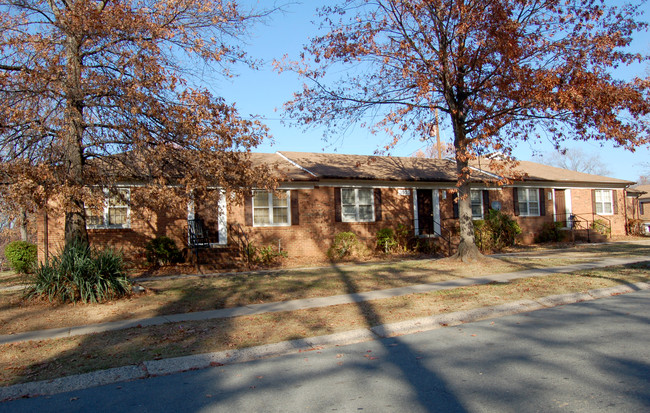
(270,255)
(162,251)
(21,255)
(386,240)
(81,274)
(550,232)
(495,232)
(601,227)
(345,245)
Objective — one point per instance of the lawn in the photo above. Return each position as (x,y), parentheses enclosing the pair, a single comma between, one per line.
(23,362)
(182,295)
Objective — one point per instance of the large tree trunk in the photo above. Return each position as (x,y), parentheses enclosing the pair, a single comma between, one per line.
(75,214)
(467,249)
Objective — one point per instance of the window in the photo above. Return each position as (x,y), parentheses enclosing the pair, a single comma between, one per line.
(270,209)
(357,205)
(116,211)
(603,202)
(528,200)
(476,198)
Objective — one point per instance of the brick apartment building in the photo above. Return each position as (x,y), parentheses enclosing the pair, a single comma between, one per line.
(321,195)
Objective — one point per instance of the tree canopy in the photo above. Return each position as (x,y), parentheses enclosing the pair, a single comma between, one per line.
(502,71)
(96,90)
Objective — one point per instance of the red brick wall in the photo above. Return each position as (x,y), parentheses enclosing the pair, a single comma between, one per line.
(316,229)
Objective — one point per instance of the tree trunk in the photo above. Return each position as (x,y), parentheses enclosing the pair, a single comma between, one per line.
(75,215)
(467,249)
(23,225)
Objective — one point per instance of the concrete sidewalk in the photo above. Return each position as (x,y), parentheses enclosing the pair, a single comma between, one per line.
(154,368)
(306,303)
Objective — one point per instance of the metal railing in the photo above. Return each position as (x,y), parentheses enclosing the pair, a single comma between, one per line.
(587,222)
(431,232)
(199,236)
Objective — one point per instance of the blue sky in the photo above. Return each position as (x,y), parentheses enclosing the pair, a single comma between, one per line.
(263,92)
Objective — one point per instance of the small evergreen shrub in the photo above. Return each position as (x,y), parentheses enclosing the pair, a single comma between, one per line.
(81,274)
(163,251)
(550,232)
(386,240)
(345,245)
(21,256)
(270,255)
(601,227)
(496,231)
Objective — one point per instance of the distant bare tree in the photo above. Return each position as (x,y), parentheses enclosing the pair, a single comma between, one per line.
(576,160)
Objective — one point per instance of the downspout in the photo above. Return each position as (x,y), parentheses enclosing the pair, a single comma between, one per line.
(627,232)
(46,241)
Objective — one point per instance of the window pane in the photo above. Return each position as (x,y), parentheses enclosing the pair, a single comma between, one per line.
(117,216)
(119,197)
(280,215)
(532,195)
(533,208)
(523,208)
(365,213)
(349,213)
(477,211)
(280,200)
(607,207)
(522,195)
(365,196)
(261,199)
(95,219)
(475,196)
(347,196)
(261,216)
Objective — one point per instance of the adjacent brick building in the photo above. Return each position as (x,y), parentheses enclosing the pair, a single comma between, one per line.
(321,195)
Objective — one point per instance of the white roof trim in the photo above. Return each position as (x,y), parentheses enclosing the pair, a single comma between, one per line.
(296,165)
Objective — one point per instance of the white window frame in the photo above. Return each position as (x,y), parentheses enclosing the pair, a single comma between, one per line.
(600,192)
(270,207)
(105,211)
(480,200)
(527,191)
(356,205)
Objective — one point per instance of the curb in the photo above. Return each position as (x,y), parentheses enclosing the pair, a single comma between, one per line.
(163,367)
(304,303)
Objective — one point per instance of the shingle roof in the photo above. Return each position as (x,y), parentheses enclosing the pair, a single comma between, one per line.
(380,168)
(642,188)
(281,167)
(543,173)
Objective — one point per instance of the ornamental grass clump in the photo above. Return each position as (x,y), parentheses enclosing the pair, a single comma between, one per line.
(81,273)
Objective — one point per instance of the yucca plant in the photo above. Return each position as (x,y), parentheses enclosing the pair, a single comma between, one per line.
(81,273)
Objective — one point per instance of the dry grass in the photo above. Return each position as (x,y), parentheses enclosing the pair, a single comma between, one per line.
(48,359)
(199,294)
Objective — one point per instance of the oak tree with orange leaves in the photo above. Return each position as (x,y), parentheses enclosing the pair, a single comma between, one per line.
(99,91)
(503,71)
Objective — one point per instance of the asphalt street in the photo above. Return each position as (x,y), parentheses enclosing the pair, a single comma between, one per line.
(586,357)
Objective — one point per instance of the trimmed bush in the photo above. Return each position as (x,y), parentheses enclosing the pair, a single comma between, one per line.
(386,240)
(81,274)
(495,232)
(550,232)
(21,256)
(162,251)
(345,245)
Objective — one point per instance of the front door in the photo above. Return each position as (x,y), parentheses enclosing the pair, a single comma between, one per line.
(425,211)
(560,207)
